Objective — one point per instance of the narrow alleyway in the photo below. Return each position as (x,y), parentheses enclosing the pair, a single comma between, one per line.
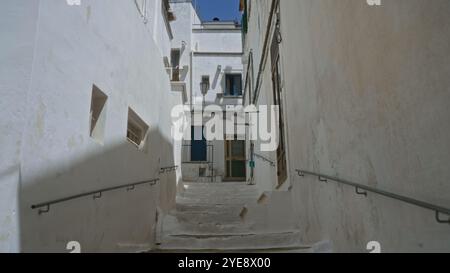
(123,123)
(208,218)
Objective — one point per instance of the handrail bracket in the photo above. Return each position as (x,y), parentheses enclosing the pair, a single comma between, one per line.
(360,192)
(440,220)
(43,211)
(97,195)
(322,179)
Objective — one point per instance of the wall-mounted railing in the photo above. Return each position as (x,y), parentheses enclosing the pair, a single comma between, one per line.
(45,206)
(364,190)
(168,169)
(265,159)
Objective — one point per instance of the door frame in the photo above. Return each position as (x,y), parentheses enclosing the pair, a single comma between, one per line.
(228,159)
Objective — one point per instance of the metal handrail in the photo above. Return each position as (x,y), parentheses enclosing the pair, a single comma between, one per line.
(168,169)
(263,158)
(95,194)
(363,190)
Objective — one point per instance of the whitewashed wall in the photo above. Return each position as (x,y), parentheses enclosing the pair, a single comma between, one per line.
(366,92)
(16,52)
(212,40)
(57,52)
(159,27)
(216,66)
(265,175)
(182,30)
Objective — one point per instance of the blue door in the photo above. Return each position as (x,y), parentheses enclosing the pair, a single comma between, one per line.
(199,145)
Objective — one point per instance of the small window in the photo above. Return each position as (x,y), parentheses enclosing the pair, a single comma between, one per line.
(233,85)
(137,129)
(98,114)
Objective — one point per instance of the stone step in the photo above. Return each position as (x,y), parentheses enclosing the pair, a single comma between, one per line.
(297,249)
(235,242)
(218,187)
(218,201)
(216,208)
(178,224)
(209,228)
(209,217)
(214,198)
(218,193)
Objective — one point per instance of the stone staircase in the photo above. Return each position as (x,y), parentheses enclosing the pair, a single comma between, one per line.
(209,218)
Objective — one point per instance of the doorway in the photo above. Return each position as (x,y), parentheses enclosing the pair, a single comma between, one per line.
(199,145)
(235,160)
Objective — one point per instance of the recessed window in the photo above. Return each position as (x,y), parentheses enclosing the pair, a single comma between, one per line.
(98,114)
(233,85)
(137,129)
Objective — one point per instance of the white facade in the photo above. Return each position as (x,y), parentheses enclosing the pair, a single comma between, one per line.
(363,100)
(214,50)
(52,55)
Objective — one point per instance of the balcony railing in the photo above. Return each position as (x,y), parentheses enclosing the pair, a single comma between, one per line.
(176,73)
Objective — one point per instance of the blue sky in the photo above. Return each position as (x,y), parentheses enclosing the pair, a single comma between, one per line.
(223,9)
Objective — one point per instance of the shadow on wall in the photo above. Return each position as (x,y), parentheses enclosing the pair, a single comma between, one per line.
(120,221)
